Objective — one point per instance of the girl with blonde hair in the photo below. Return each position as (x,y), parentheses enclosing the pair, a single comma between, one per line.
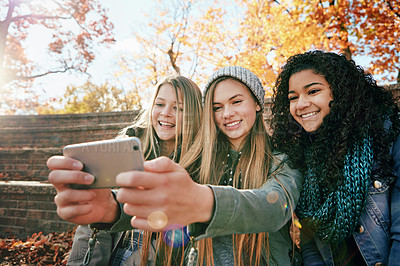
(238,209)
(166,128)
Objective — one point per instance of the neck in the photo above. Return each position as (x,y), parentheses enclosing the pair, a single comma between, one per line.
(236,145)
(167,147)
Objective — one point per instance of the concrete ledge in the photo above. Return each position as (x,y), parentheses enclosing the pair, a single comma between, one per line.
(27,187)
(91,127)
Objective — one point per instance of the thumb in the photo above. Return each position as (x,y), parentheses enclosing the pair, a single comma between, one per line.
(162,165)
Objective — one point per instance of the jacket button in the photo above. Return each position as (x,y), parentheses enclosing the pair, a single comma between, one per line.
(379,264)
(377,184)
(361,229)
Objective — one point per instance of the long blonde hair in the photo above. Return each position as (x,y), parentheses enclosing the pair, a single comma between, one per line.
(185,133)
(184,137)
(204,161)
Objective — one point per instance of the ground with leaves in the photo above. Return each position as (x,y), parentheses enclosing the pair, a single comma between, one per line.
(39,249)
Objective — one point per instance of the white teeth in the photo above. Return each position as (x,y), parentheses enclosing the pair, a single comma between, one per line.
(308,115)
(166,124)
(232,124)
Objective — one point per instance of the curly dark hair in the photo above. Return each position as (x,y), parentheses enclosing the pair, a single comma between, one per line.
(360,107)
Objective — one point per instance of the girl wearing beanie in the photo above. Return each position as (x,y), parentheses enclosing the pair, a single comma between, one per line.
(238,209)
(342,131)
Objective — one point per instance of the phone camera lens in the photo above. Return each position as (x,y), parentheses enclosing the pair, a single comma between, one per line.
(135,147)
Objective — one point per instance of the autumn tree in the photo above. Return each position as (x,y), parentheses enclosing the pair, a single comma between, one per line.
(167,46)
(77,27)
(362,27)
(261,35)
(196,37)
(91,98)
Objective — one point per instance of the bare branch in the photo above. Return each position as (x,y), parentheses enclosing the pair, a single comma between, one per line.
(39,17)
(391,8)
(172,58)
(287,10)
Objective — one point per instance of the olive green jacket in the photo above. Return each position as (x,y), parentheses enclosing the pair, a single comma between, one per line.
(241,211)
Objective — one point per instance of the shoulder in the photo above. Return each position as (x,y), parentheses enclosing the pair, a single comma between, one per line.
(280,166)
(278,159)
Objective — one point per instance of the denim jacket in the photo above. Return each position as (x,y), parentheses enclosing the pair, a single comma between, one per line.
(378,234)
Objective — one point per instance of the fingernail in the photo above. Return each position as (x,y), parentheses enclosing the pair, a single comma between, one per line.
(149,163)
(89,179)
(77,165)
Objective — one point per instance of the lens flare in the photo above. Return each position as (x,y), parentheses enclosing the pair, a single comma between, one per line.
(272,197)
(157,220)
(176,236)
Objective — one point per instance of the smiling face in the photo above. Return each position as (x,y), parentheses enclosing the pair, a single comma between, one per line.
(234,110)
(309,97)
(164,113)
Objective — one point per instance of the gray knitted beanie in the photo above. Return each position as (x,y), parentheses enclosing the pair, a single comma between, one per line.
(244,75)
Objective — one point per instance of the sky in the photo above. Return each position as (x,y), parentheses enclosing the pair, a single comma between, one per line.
(124,14)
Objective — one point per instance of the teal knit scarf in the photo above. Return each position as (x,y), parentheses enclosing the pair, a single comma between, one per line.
(334,214)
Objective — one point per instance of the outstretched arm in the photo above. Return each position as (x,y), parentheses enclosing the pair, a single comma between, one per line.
(266,209)
(164,195)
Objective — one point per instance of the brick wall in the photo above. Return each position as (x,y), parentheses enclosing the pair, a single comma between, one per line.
(57,130)
(27,208)
(26,200)
(27,141)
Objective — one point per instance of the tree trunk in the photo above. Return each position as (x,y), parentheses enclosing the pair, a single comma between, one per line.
(4,26)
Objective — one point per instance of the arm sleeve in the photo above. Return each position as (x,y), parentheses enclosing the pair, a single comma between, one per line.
(123,223)
(242,211)
(394,256)
(101,251)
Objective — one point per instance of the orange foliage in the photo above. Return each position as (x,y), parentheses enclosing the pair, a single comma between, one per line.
(261,35)
(52,249)
(363,27)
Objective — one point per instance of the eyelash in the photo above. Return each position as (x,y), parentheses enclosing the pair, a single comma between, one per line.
(162,105)
(312,91)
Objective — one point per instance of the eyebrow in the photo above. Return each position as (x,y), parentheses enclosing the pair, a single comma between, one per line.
(308,85)
(233,97)
(160,98)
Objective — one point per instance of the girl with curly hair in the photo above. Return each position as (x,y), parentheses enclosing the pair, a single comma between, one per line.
(342,131)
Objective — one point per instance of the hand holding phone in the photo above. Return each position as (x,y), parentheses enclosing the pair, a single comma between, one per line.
(105,159)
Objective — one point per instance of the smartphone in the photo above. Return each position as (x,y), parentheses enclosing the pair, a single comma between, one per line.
(105,159)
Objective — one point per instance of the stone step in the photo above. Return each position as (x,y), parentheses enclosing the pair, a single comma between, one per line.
(27,121)
(47,137)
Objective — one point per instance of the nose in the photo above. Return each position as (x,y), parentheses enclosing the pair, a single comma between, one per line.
(167,111)
(228,112)
(302,102)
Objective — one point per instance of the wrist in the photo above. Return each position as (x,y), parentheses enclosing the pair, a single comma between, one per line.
(206,208)
(113,211)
